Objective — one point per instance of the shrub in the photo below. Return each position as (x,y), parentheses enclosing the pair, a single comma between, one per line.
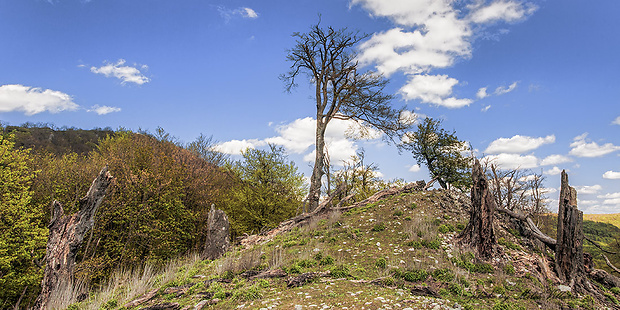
(398,213)
(433,244)
(381,263)
(414,275)
(443,274)
(509,269)
(327,260)
(414,244)
(340,271)
(445,228)
(379,227)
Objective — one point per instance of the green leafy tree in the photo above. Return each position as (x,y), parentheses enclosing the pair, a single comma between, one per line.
(22,237)
(271,189)
(441,152)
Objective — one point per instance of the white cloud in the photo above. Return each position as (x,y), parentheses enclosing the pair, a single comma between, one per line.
(407,117)
(555,159)
(103,110)
(482,93)
(235,147)
(513,161)
(616,121)
(248,13)
(518,144)
(435,89)
(414,168)
(581,147)
(504,90)
(127,74)
(298,137)
(588,189)
(553,171)
(243,12)
(509,11)
(612,175)
(431,34)
(33,100)
(485,108)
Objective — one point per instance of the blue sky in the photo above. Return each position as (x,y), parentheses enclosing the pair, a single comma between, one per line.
(532,84)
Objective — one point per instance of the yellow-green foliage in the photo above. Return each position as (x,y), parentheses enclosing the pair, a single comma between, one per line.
(22,237)
(613,219)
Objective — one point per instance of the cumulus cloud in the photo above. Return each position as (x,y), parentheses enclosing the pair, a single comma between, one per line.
(434,89)
(553,171)
(509,11)
(610,198)
(125,73)
(414,168)
(103,110)
(518,144)
(583,147)
(298,137)
(33,100)
(555,159)
(611,175)
(235,147)
(482,93)
(588,189)
(514,161)
(616,121)
(430,35)
(504,90)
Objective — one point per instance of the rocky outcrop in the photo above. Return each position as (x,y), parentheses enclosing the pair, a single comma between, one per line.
(218,234)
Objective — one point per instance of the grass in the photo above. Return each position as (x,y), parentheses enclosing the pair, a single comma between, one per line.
(375,255)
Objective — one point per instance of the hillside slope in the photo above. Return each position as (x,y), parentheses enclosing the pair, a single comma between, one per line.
(396,253)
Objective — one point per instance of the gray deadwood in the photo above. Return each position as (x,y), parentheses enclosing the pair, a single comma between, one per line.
(66,233)
(479,231)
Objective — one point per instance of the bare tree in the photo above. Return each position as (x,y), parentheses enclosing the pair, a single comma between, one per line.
(517,189)
(327,57)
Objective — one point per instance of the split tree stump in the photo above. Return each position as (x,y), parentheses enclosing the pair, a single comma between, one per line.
(66,233)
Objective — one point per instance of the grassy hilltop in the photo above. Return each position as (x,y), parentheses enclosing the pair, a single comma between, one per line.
(397,253)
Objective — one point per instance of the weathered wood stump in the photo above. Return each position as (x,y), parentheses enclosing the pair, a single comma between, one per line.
(66,233)
(569,262)
(479,231)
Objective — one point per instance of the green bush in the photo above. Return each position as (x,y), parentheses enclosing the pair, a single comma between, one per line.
(414,275)
(327,260)
(414,244)
(379,227)
(443,274)
(340,271)
(398,213)
(381,263)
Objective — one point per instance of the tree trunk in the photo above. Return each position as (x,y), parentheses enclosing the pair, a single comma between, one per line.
(479,231)
(569,262)
(317,173)
(66,233)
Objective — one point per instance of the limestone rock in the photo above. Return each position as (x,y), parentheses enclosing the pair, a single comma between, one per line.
(218,234)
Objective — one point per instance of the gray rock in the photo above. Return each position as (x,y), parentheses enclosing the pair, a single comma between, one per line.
(218,234)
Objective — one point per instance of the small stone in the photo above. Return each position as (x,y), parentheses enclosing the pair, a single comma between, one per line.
(564,288)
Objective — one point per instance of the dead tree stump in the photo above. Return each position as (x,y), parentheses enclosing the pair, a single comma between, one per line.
(479,231)
(569,263)
(66,233)
(218,234)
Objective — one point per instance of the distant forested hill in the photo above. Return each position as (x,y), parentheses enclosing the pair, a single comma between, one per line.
(44,137)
